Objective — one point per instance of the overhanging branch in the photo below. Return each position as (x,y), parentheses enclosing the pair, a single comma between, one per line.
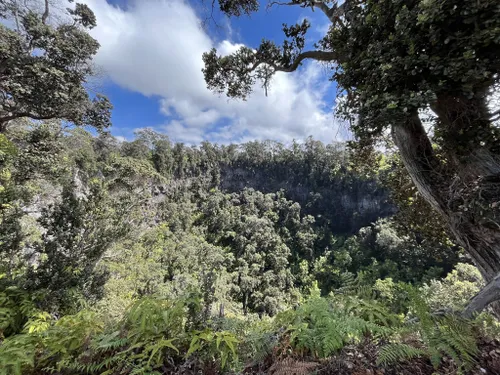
(6,119)
(332,13)
(314,55)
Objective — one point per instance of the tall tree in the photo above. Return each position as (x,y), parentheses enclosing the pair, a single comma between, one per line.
(44,66)
(392,59)
(77,232)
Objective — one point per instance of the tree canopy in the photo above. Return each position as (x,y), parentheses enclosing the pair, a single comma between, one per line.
(45,65)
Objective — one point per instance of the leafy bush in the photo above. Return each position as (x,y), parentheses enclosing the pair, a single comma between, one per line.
(455,290)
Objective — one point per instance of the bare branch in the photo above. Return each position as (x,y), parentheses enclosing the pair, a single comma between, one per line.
(332,13)
(46,12)
(16,18)
(209,18)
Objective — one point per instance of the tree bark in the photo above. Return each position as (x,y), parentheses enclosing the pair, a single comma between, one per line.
(479,236)
(418,157)
(490,293)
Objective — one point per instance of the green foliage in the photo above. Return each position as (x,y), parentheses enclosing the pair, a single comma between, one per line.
(321,327)
(455,290)
(393,353)
(78,230)
(50,83)
(150,257)
(15,307)
(156,334)
(394,60)
(17,354)
(413,52)
(214,344)
(150,317)
(448,335)
(415,216)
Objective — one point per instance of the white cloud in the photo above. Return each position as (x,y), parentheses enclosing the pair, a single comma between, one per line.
(154,47)
(177,131)
(323,29)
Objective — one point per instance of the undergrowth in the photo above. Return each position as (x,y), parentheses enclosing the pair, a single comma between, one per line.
(158,336)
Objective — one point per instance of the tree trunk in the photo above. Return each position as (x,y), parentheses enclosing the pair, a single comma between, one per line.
(418,157)
(479,235)
(489,294)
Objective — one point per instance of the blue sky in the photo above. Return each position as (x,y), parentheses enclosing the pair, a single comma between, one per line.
(150,67)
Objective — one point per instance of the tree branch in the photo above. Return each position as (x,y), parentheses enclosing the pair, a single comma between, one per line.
(46,12)
(490,293)
(419,159)
(16,18)
(495,116)
(5,119)
(332,13)
(315,55)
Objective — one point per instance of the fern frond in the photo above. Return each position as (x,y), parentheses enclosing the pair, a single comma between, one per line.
(391,354)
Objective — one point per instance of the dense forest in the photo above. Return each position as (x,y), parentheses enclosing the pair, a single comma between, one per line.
(149,256)
(92,223)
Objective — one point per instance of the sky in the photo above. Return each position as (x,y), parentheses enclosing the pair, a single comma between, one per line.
(150,64)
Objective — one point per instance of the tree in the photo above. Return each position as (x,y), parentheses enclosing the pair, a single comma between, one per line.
(246,224)
(391,60)
(44,67)
(76,233)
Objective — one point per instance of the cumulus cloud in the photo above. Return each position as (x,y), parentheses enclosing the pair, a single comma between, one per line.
(154,47)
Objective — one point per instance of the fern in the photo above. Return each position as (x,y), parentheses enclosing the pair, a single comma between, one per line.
(15,308)
(454,337)
(370,310)
(450,336)
(259,345)
(110,341)
(398,352)
(321,328)
(150,317)
(17,354)
(348,283)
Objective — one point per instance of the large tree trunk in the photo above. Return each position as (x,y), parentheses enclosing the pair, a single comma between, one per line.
(447,193)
